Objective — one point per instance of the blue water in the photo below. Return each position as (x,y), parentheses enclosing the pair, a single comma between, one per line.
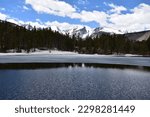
(75,83)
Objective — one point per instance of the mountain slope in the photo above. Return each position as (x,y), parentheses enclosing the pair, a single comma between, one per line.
(138,36)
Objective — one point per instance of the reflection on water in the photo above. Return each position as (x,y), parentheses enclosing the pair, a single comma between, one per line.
(59,65)
(75,82)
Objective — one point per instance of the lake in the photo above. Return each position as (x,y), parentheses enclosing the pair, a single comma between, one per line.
(74,77)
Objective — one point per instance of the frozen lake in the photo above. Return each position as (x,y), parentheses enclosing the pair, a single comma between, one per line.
(78,58)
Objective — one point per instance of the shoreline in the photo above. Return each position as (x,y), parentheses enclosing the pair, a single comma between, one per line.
(46,65)
(58,52)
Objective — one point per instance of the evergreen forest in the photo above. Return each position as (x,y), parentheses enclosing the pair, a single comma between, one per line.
(20,38)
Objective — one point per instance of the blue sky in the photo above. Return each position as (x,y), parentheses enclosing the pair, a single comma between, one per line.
(126,15)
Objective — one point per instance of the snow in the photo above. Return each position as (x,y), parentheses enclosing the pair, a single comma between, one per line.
(111,30)
(75,30)
(130,55)
(58,52)
(55,52)
(71,57)
(42,52)
(55,28)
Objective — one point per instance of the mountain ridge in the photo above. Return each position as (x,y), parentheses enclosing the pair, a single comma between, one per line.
(84,32)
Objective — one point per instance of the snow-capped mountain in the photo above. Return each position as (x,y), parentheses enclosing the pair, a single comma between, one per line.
(84,31)
(76,30)
(81,32)
(104,30)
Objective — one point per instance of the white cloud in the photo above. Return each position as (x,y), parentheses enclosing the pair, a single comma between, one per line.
(136,20)
(88,16)
(142,8)
(25,8)
(20,22)
(39,24)
(61,8)
(116,9)
(54,7)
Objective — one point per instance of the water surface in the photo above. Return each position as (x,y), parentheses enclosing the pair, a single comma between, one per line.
(75,82)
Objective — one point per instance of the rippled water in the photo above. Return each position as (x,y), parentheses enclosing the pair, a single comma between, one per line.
(77,82)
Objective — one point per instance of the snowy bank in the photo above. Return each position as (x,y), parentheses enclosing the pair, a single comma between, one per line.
(42,52)
(58,52)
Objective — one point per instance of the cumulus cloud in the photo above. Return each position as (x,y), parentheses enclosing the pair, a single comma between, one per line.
(39,24)
(20,22)
(136,20)
(61,8)
(89,16)
(116,9)
(54,7)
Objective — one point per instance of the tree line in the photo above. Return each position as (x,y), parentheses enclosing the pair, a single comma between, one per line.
(20,38)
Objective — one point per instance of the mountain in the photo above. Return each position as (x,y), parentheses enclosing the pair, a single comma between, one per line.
(84,31)
(138,36)
(104,30)
(81,32)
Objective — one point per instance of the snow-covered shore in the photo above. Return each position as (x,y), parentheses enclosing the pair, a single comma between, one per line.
(58,52)
(41,52)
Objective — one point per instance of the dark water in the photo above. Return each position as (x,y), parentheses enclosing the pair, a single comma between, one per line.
(75,82)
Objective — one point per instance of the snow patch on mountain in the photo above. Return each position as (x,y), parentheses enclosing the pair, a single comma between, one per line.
(77,31)
(55,28)
(85,31)
(111,30)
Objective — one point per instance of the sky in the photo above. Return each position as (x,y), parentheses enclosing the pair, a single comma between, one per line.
(124,15)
